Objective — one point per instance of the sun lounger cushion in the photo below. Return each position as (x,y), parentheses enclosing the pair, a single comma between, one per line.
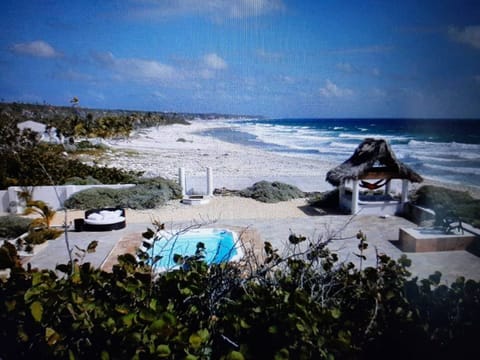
(105,217)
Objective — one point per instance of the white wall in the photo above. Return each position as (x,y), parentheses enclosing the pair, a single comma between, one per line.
(47,194)
(4,200)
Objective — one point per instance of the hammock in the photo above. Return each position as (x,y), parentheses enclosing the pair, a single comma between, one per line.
(376,185)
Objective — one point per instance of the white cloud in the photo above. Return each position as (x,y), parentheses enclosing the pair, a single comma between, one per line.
(148,70)
(332,90)
(216,9)
(138,69)
(214,62)
(469,35)
(38,48)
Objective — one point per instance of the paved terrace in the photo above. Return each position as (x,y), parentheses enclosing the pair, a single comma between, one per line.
(382,234)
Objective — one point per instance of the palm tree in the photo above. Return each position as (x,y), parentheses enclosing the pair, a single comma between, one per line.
(46,213)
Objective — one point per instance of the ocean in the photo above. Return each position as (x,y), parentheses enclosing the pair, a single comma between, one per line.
(447,150)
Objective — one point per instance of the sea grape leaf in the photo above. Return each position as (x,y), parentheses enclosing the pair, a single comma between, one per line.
(36,308)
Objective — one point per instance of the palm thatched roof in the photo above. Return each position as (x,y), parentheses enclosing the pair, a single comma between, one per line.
(373,159)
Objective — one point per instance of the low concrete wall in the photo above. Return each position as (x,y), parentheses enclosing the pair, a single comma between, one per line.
(10,201)
(413,240)
(419,215)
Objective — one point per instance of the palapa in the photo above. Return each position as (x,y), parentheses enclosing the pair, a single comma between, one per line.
(372,159)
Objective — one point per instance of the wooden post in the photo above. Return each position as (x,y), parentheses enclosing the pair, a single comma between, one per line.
(354,207)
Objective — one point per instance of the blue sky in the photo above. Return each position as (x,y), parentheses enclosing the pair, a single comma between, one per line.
(278,58)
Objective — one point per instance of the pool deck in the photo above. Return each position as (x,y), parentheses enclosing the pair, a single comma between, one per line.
(382,236)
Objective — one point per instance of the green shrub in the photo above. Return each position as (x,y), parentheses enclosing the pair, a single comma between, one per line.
(447,202)
(12,226)
(147,194)
(306,305)
(267,192)
(39,236)
(326,200)
(89,180)
(45,163)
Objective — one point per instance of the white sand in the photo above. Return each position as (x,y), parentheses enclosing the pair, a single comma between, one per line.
(218,208)
(158,153)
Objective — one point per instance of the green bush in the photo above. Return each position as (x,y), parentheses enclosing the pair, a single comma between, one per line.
(267,192)
(449,202)
(304,306)
(89,180)
(39,236)
(45,163)
(147,194)
(24,161)
(326,200)
(12,226)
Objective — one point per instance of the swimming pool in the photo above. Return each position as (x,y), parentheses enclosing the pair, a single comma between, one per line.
(221,245)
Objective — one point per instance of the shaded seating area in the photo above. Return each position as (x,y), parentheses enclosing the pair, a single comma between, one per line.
(105,219)
(372,167)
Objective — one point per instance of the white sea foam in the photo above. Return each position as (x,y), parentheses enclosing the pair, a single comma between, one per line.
(375,136)
(455,161)
(463,170)
(446,150)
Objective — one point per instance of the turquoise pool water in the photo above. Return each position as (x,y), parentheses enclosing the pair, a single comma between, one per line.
(220,246)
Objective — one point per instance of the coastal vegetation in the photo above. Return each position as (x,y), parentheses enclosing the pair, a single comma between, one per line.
(303,305)
(12,226)
(448,202)
(272,192)
(146,194)
(25,161)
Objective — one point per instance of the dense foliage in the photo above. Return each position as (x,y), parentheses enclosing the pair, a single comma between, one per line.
(305,305)
(272,192)
(447,202)
(12,226)
(24,161)
(147,194)
(328,200)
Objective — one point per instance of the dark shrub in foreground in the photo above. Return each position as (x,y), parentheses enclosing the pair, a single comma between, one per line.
(304,306)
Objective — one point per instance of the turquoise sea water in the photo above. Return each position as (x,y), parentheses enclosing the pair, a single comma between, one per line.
(441,149)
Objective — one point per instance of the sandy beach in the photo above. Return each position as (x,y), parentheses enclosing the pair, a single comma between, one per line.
(161,151)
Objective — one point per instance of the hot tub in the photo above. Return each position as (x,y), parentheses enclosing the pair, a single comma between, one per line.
(432,239)
(221,245)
